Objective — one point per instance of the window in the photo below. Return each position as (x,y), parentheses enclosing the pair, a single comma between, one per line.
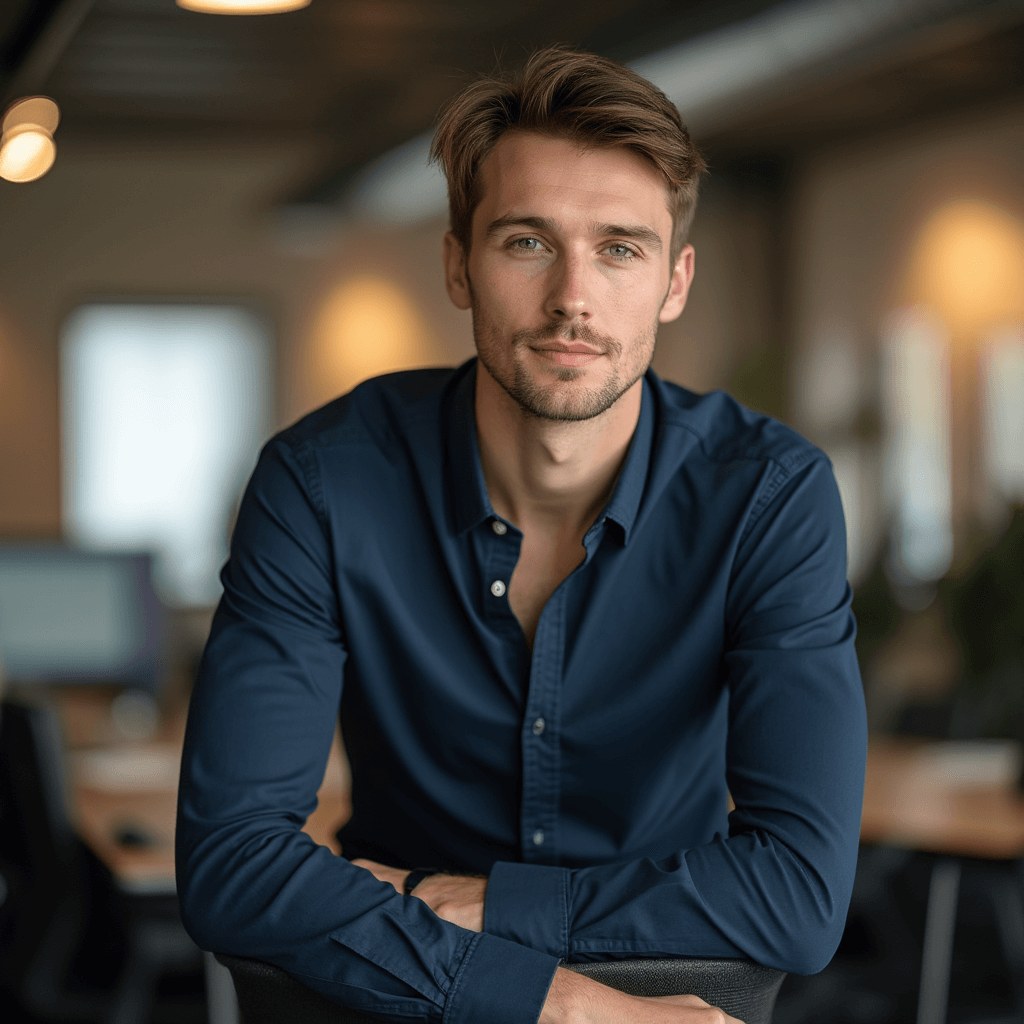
(164,408)
(917,456)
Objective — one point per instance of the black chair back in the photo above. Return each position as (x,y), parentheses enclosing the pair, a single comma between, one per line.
(269,995)
(35,827)
(745,990)
(38,840)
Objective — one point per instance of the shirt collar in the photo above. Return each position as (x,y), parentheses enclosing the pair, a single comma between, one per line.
(471,504)
(625,501)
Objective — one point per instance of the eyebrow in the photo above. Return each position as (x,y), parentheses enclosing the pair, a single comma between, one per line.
(634,232)
(513,221)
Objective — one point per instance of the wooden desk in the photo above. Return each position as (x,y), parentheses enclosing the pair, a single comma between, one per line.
(125,786)
(947,798)
(956,800)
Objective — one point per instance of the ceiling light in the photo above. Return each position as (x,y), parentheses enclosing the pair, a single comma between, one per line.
(242,6)
(27,150)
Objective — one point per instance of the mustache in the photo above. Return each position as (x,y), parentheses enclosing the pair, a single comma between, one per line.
(556,330)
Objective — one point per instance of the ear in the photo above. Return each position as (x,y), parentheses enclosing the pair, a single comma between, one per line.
(679,286)
(456,279)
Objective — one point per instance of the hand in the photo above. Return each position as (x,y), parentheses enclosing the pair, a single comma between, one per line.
(396,876)
(575,999)
(455,898)
(458,899)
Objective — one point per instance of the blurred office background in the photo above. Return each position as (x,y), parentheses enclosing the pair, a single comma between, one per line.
(240,224)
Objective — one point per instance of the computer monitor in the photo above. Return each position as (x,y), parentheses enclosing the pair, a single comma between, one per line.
(71,616)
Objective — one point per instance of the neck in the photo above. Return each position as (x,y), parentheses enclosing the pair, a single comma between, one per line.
(548,473)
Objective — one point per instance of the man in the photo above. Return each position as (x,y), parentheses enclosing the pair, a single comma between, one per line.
(563,607)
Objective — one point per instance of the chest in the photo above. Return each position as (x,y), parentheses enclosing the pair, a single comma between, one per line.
(546,558)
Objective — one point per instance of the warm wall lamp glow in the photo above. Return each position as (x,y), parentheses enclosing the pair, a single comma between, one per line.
(27,151)
(242,6)
(968,265)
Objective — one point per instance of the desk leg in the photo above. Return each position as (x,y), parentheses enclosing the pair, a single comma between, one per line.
(221,1002)
(939,928)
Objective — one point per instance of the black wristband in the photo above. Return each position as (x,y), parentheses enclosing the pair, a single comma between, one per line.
(416,876)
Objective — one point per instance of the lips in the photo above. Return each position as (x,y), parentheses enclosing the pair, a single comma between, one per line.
(575,344)
(574,348)
(567,355)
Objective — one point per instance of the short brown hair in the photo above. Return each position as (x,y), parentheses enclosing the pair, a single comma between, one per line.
(577,96)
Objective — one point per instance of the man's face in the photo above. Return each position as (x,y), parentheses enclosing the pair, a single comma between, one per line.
(568,274)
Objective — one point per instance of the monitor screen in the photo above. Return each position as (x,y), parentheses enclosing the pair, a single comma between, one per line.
(75,616)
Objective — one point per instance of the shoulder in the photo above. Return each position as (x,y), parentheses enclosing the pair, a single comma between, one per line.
(381,412)
(726,431)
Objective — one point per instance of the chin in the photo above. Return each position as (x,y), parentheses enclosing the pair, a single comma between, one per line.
(570,398)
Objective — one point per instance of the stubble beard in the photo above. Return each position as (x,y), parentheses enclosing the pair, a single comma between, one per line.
(558,402)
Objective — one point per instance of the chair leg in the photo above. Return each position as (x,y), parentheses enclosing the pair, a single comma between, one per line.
(221,1000)
(939,929)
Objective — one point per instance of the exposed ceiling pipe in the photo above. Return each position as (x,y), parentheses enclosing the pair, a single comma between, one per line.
(706,76)
(42,51)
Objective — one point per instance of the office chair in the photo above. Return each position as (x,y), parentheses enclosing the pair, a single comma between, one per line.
(63,890)
(48,909)
(269,995)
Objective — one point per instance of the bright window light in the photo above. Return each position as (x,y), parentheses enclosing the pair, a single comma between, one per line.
(846,465)
(1004,414)
(917,457)
(164,409)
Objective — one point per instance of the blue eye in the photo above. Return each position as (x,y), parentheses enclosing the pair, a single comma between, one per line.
(531,244)
(620,251)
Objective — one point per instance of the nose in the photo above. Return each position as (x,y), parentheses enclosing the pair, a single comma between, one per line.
(569,297)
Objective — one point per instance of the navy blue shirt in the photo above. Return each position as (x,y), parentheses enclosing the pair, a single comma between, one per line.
(703,647)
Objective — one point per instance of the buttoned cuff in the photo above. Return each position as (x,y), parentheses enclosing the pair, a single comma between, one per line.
(499,982)
(529,904)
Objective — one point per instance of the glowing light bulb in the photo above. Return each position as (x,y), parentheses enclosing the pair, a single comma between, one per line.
(242,6)
(26,154)
(27,150)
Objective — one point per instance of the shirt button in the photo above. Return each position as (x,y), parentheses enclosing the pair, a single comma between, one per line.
(538,837)
(497,588)
(499,527)
(538,726)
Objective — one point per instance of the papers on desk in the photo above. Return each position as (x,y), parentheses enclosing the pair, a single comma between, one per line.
(972,762)
(128,769)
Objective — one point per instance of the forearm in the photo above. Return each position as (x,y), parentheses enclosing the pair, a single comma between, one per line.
(571,998)
(749,896)
(271,894)
(458,899)
(575,999)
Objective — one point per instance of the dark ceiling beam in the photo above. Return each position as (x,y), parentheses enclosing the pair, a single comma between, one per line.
(44,38)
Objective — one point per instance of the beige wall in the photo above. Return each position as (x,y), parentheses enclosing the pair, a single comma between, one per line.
(154,222)
(729,333)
